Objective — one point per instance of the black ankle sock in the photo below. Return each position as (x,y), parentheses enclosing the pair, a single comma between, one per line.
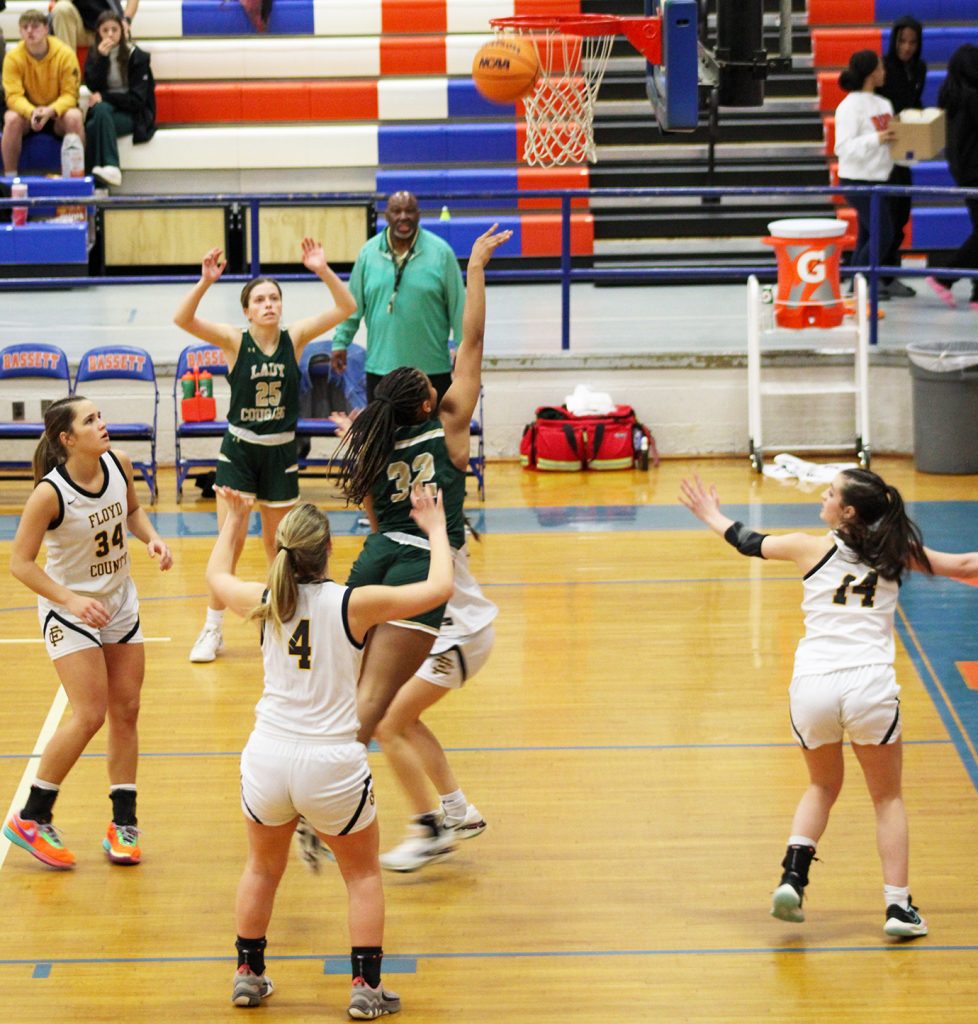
(40,804)
(123,806)
(252,953)
(365,961)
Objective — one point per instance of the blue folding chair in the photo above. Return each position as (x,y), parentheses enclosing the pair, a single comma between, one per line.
(33,375)
(124,408)
(204,357)
(315,365)
(477,458)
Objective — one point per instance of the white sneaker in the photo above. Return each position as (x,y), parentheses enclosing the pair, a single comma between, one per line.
(472,825)
(110,175)
(425,844)
(208,645)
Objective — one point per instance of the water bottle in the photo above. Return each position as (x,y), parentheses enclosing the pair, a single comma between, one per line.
(643,461)
(18,190)
(206,385)
(636,443)
(72,157)
(188,386)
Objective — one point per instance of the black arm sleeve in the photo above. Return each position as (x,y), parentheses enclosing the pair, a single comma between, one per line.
(747,542)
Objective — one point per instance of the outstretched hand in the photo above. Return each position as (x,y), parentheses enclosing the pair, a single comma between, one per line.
(427,511)
(313,257)
(702,501)
(238,504)
(212,266)
(486,244)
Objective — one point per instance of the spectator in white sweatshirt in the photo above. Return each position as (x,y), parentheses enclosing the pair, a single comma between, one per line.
(862,134)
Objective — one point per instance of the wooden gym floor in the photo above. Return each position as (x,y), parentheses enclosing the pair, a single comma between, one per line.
(628,743)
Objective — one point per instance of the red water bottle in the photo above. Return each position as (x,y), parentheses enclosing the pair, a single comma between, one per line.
(18,190)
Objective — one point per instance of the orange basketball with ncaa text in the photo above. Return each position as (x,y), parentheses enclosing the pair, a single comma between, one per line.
(506,69)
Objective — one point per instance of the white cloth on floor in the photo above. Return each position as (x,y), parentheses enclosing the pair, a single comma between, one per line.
(585,402)
(789,467)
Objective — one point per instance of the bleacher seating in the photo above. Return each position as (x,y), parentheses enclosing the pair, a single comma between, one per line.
(841,28)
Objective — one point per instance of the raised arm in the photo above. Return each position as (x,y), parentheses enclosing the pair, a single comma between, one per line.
(41,510)
(225,336)
(704,502)
(238,595)
(460,400)
(371,605)
(304,331)
(346,331)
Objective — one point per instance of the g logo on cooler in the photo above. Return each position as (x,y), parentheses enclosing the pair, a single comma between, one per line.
(811,266)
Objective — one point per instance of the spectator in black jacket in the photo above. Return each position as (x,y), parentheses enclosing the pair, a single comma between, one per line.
(959,98)
(74,21)
(904,88)
(123,102)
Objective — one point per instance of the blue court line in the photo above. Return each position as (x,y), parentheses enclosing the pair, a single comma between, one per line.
(557,519)
(573,748)
(543,954)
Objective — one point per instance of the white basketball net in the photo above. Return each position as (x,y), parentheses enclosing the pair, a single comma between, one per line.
(560,109)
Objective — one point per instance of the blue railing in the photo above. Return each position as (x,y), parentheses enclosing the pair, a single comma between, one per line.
(566,274)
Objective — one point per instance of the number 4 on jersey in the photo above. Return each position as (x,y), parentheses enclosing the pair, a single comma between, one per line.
(299,645)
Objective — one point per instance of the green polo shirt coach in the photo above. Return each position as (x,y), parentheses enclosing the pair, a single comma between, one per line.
(410,306)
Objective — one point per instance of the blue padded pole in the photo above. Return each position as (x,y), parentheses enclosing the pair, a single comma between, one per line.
(565,270)
(253,206)
(874,260)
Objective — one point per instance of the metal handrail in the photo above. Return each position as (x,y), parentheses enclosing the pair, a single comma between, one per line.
(566,275)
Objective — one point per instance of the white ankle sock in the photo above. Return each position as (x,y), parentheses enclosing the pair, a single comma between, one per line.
(454,804)
(801,841)
(52,787)
(215,618)
(898,894)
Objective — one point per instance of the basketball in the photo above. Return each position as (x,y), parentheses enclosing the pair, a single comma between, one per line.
(506,69)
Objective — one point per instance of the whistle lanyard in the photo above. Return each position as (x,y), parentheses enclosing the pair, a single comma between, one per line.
(399,265)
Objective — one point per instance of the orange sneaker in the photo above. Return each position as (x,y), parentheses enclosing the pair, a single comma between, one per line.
(121,843)
(41,841)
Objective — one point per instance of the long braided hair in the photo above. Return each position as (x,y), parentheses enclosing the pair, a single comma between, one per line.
(365,450)
(881,534)
(302,548)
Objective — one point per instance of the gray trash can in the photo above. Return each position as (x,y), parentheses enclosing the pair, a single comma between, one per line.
(945,406)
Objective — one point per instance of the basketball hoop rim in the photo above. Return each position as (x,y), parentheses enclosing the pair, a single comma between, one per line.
(570,24)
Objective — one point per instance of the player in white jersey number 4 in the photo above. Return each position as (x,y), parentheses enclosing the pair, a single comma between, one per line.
(843,679)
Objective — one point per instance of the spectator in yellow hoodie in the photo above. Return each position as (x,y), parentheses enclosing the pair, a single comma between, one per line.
(41,78)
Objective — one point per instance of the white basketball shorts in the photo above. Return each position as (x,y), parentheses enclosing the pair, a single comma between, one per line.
(329,784)
(64,634)
(862,702)
(455,660)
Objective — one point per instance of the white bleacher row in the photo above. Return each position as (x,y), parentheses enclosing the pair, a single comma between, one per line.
(281,57)
(247,147)
(162,19)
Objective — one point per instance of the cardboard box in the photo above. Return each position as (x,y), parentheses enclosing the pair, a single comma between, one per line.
(919,134)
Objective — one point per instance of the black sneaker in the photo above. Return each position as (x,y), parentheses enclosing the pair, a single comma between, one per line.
(899,290)
(905,924)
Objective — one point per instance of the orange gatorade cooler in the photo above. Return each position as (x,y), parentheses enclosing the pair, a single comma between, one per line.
(808,251)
